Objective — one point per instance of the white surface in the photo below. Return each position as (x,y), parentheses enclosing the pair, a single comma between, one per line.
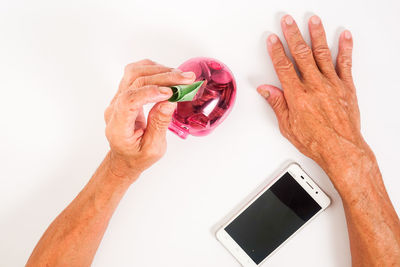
(60,64)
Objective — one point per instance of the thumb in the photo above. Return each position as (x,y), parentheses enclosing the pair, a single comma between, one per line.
(157,123)
(276,100)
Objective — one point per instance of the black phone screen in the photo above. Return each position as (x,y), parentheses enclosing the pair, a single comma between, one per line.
(272,218)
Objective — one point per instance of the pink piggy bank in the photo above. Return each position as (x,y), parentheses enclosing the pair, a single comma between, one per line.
(212,103)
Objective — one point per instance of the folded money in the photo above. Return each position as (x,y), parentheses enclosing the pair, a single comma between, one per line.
(185,92)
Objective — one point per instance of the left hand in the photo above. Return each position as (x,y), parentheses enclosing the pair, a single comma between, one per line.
(317,110)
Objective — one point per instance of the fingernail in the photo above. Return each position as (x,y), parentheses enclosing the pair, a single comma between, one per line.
(347,34)
(167,108)
(188,74)
(264,92)
(176,70)
(315,20)
(288,20)
(273,38)
(165,90)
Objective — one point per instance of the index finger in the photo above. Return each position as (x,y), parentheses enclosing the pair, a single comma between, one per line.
(134,99)
(165,79)
(136,70)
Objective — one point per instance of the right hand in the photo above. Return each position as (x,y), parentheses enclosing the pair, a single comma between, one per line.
(136,145)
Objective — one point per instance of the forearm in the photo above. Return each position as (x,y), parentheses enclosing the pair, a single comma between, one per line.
(74,236)
(373,225)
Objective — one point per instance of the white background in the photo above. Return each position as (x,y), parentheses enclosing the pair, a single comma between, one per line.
(60,64)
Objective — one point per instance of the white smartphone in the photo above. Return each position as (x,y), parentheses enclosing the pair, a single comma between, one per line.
(273,216)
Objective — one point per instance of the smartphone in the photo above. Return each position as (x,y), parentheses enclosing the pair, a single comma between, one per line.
(273,216)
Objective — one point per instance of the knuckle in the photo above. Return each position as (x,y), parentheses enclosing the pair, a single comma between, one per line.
(145,61)
(133,67)
(159,123)
(130,73)
(170,77)
(139,82)
(283,64)
(161,68)
(130,99)
(301,50)
(131,94)
(276,104)
(322,52)
(129,68)
(278,52)
(345,61)
(173,76)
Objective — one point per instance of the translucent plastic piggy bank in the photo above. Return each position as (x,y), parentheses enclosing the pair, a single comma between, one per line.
(212,103)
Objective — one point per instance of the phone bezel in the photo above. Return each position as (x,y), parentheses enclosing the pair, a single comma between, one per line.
(297,173)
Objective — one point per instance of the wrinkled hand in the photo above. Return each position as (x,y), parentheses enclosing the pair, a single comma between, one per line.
(136,145)
(317,111)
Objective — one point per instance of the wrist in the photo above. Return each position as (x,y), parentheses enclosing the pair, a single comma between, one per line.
(353,170)
(337,154)
(120,169)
